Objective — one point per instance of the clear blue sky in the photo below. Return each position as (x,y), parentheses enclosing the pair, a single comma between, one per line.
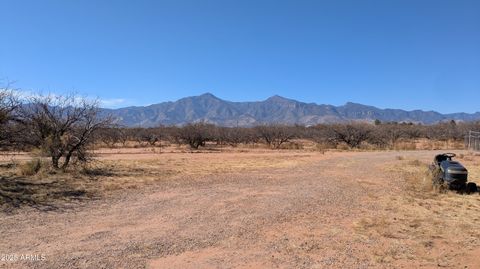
(401,54)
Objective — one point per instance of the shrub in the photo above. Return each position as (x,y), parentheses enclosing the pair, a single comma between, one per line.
(416,163)
(31,168)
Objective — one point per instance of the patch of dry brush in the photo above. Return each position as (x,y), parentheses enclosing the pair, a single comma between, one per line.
(32,183)
(420,223)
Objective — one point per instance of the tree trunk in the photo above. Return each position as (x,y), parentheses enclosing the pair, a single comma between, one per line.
(67,159)
(55,161)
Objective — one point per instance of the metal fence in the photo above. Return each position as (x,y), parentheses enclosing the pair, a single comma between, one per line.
(472,141)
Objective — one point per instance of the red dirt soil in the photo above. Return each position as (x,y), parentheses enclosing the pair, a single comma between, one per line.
(300,216)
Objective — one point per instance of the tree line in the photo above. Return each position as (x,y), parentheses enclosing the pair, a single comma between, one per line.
(352,134)
(63,128)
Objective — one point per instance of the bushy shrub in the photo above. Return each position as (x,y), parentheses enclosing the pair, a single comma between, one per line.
(31,167)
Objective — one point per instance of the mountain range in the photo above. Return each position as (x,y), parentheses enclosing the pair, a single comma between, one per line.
(276,109)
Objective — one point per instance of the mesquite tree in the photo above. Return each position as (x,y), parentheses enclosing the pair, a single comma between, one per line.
(62,126)
(275,135)
(195,134)
(9,103)
(352,134)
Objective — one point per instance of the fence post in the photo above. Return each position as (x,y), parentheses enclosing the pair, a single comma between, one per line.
(469,135)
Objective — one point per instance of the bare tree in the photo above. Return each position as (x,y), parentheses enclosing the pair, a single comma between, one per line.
(195,134)
(154,136)
(275,135)
(9,103)
(387,134)
(111,136)
(322,134)
(122,136)
(62,126)
(414,131)
(352,134)
(233,135)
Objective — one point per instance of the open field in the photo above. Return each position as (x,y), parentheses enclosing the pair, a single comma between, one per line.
(253,209)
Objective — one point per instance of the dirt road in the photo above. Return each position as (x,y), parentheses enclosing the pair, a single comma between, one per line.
(302,216)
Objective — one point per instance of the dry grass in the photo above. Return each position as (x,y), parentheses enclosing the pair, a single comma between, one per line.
(420,221)
(256,208)
(168,167)
(30,168)
(31,183)
(427,144)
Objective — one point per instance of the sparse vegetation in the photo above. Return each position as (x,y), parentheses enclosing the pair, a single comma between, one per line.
(62,127)
(354,135)
(423,218)
(395,210)
(9,104)
(195,134)
(31,167)
(275,135)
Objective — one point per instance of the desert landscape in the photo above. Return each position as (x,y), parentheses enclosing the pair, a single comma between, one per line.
(248,209)
(80,190)
(203,134)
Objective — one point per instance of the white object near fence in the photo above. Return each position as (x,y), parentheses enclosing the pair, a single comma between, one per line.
(472,140)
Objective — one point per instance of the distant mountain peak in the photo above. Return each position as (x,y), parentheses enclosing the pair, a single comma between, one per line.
(355,104)
(278,98)
(208,95)
(275,109)
(358,105)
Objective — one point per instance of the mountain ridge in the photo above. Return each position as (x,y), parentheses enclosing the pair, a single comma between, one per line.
(275,109)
